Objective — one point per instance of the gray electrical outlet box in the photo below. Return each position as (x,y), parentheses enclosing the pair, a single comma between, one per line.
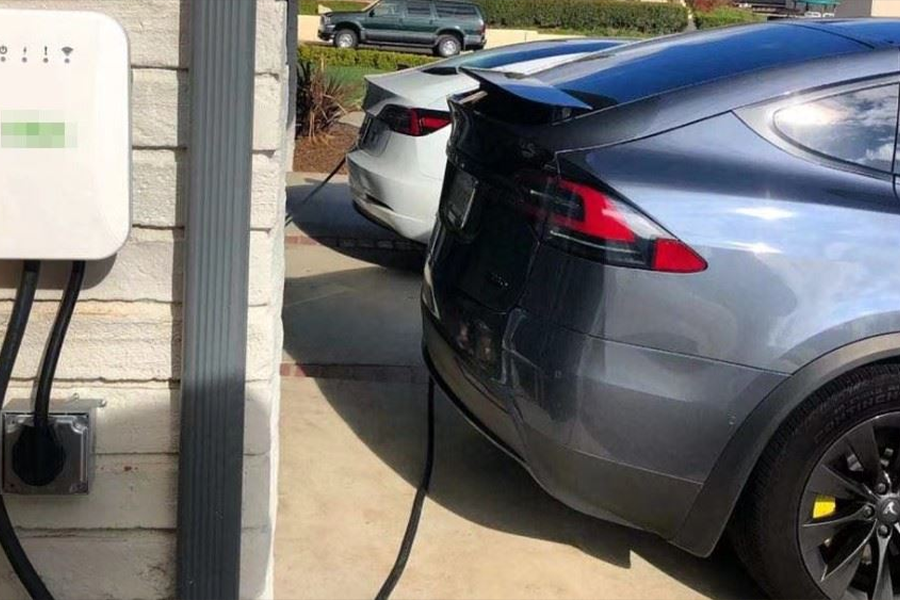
(74,420)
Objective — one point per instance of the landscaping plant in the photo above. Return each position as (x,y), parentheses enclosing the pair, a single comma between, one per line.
(725,15)
(587,16)
(321,100)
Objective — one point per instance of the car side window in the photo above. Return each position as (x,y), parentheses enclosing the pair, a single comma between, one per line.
(387,9)
(455,10)
(418,9)
(858,127)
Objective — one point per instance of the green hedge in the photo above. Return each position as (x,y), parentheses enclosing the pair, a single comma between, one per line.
(721,17)
(586,15)
(311,7)
(371,59)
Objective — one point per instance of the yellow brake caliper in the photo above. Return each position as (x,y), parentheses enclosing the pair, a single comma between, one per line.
(825,506)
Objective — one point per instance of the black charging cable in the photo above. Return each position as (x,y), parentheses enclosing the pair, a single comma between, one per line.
(12,341)
(38,456)
(289,218)
(412,527)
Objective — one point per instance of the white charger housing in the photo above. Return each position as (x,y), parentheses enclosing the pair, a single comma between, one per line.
(65,135)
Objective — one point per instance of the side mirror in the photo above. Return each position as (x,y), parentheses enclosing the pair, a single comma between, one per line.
(372,13)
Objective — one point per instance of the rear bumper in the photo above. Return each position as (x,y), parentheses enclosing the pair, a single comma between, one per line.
(598,487)
(398,198)
(594,439)
(475,42)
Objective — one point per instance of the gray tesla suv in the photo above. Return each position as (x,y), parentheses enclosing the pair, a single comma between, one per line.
(666,279)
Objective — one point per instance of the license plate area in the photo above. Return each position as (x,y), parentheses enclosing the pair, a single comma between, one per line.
(459,198)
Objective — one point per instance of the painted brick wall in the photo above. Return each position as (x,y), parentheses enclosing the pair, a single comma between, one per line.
(124,344)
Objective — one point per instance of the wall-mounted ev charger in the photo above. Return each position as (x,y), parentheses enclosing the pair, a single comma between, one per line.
(65,135)
(65,194)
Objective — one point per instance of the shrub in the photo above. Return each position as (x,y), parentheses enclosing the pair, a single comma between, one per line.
(721,17)
(372,59)
(311,7)
(587,15)
(708,5)
(321,99)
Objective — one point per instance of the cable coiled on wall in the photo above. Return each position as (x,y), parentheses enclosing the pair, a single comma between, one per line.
(12,341)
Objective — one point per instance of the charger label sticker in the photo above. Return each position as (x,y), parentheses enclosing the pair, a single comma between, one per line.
(35,129)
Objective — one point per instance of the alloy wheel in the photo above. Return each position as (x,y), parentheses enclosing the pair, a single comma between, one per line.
(344,41)
(849,525)
(449,48)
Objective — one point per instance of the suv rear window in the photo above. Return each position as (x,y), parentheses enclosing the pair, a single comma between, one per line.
(446,10)
(859,127)
(649,68)
(417,8)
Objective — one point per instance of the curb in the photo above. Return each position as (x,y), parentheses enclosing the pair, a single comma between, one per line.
(345,242)
(372,373)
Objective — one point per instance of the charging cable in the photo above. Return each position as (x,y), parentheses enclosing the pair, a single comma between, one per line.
(289,218)
(412,527)
(12,341)
(38,457)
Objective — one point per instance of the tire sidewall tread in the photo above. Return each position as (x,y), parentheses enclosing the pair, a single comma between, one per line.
(764,526)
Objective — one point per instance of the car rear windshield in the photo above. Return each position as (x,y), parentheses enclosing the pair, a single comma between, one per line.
(516,53)
(455,11)
(650,68)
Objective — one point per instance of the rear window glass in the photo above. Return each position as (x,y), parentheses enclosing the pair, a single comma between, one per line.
(645,69)
(456,10)
(418,9)
(517,53)
(858,127)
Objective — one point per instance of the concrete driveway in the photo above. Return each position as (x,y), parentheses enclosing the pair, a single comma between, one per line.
(353,442)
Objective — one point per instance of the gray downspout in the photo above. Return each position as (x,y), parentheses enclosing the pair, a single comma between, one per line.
(217,240)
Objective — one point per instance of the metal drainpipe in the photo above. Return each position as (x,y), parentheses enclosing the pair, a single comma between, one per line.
(217,240)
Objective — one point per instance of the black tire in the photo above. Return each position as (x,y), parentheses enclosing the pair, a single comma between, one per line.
(345,38)
(447,45)
(765,525)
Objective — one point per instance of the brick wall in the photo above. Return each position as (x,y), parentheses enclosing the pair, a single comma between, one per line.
(124,343)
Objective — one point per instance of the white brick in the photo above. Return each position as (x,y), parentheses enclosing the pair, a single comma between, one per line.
(270,113)
(143,419)
(111,341)
(122,341)
(159,180)
(160,109)
(85,565)
(152,25)
(147,268)
(271,18)
(262,247)
(257,562)
(268,190)
(135,491)
(131,491)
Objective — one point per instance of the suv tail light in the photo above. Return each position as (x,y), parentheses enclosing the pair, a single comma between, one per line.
(413,121)
(586,221)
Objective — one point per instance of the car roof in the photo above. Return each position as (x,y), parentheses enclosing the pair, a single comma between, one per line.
(644,69)
(876,32)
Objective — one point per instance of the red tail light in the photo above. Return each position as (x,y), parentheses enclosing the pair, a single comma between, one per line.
(586,221)
(413,121)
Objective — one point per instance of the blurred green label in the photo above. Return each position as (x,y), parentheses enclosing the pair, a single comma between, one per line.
(21,130)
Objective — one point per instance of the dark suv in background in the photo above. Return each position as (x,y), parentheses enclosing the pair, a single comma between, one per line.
(446,27)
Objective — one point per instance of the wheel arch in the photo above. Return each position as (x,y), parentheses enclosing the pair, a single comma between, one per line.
(708,517)
(459,35)
(354,27)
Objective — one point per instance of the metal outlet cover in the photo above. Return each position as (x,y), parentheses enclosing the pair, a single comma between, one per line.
(76,434)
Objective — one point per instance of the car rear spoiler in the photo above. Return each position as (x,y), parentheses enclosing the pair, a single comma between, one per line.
(527,88)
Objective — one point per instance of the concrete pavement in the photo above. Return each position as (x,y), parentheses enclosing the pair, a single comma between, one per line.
(352,448)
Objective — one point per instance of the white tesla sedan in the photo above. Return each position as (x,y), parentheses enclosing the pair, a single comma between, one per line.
(397,168)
